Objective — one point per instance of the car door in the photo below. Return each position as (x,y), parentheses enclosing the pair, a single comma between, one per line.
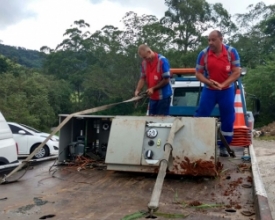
(21,139)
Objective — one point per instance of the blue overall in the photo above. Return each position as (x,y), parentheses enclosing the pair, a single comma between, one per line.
(225,100)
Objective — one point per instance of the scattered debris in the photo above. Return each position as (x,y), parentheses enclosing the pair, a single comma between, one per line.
(244,167)
(246,185)
(39,202)
(268,130)
(256,133)
(196,168)
(247,213)
(194,203)
(82,162)
(26,208)
(237,206)
(47,216)
(230,210)
(249,179)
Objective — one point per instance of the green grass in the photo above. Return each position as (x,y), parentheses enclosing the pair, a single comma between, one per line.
(141,214)
(203,206)
(136,215)
(169,215)
(266,138)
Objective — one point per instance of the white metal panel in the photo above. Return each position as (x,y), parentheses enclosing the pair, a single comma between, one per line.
(125,141)
(193,144)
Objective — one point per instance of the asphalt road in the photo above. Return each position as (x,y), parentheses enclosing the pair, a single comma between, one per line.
(265,152)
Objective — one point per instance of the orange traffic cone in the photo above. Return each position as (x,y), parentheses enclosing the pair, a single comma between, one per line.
(239,115)
(241,136)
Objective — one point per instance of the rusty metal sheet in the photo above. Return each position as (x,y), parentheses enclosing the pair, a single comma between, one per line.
(196,168)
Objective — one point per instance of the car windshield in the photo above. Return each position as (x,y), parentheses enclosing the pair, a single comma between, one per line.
(186,96)
(30,128)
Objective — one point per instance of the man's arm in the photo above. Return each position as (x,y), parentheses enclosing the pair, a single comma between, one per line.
(141,81)
(165,77)
(140,85)
(200,69)
(162,83)
(204,80)
(235,68)
(236,72)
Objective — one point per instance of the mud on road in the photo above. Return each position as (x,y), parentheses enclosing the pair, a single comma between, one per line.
(101,194)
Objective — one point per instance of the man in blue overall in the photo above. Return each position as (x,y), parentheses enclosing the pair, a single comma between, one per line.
(218,67)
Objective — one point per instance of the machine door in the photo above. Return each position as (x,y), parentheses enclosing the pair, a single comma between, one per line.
(125,141)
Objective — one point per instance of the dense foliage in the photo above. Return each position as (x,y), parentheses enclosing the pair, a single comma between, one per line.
(23,56)
(90,69)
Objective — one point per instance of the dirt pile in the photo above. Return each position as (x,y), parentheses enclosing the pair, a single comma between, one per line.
(198,167)
(269,129)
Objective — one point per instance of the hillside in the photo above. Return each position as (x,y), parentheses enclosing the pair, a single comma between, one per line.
(23,56)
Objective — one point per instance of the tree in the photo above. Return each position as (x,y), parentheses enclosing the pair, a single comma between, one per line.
(253,39)
(260,82)
(31,98)
(116,55)
(146,29)
(25,100)
(3,65)
(189,20)
(222,20)
(23,56)
(69,60)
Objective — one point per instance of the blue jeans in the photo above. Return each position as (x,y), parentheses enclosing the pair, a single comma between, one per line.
(159,107)
(225,100)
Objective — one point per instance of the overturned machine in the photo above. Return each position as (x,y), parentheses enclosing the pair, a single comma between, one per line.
(137,144)
(175,145)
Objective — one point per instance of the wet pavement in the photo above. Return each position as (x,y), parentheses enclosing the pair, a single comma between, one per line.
(96,193)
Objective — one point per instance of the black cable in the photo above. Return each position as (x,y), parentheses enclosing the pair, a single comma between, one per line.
(26,169)
(50,169)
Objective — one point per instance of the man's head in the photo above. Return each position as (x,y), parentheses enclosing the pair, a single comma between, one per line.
(145,52)
(215,41)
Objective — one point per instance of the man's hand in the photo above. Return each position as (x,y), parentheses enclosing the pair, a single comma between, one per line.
(139,86)
(150,91)
(216,85)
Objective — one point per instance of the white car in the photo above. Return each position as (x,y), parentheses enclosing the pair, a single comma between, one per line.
(29,138)
(8,146)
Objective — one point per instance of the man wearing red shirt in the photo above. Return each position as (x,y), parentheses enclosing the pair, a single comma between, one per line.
(218,67)
(155,71)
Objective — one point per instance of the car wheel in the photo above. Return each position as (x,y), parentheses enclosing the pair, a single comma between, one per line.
(44,152)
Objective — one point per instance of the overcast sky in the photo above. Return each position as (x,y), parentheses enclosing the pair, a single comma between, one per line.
(36,23)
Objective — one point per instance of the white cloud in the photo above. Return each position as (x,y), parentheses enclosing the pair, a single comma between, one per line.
(43,22)
(54,17)
(156,7)
(13,11)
